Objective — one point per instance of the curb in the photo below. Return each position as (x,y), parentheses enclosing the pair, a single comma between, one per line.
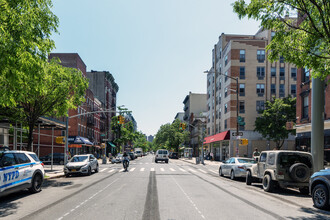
(54,177)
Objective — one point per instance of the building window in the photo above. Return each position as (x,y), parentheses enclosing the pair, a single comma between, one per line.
(260,89)
(260,72)
(226,124)
(305,74)
(242,56)
(242,89)
(226,60)
(305,107)
(293,89)
(226,76)
(226,108)
(261,56)
(282,73)
(220,98)
(293,72)
(241,107)
(241,72)
(273,71)
(220,113)
(226,92)
(282,90)
(220,82)
(273,89)
(281,59)
(272,34)
(260,106)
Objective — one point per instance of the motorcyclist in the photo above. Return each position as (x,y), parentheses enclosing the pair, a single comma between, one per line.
(125,158)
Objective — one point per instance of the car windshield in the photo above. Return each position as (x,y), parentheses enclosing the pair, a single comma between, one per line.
(79,158)
(246,161)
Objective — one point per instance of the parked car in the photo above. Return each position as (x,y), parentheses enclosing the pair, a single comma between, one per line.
(161,155)
(174,155)
(81,164)
(282,168)
(58,158)
(319,188)
(235,167)
(20,170)
(117,159)
(131,155)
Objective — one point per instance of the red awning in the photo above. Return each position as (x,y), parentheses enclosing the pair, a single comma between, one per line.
(217,137)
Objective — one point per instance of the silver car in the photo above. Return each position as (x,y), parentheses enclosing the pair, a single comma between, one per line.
(81,164)
(235,167)
(117,159)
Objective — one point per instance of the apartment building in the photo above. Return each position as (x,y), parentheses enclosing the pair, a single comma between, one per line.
(194,106)
(243,57)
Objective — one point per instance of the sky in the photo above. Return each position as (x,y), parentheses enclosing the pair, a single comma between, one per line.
(157,50)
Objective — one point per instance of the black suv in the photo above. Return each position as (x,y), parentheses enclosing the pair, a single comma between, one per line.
(58,158)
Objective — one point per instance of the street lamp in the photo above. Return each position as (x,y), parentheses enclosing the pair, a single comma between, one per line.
(237,125)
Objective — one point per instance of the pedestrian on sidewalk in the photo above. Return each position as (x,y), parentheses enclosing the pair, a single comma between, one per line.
(211,156)
(256,153)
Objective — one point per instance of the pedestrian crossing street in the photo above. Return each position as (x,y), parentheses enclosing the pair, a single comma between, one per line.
(158,169)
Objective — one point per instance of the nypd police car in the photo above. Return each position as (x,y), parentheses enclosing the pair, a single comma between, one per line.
(20,170)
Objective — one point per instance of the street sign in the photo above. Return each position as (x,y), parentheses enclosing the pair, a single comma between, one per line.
(235,134)
(102,135)
(60,140)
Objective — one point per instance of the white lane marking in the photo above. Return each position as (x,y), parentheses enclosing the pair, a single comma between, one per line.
(142,169)
(73,210)
(152,169)
(182,170)
(202,171)
(111,170)
(141,163)
(162,169)
(192,203)
(213,171)
(103,169)
(132,169)
(194,171)
(122,170)
(172,169)
(146,163)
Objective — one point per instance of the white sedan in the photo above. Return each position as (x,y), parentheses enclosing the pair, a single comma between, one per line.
(235,167)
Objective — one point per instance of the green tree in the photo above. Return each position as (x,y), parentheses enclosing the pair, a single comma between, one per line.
(141,141)
(25,29)
(305,41)
(272,123)
(170,137)
(60,89)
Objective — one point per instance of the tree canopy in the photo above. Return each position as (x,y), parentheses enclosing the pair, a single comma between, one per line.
(304,40)
(170,137)
(272,122)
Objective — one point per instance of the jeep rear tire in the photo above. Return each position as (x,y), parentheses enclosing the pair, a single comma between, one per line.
(248,179)
(267,183)
(299,172)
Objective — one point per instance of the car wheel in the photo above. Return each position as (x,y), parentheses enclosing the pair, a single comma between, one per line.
(67,175)
(36,183)
(248,179)
(267,183)
(156,161)
(320,195)
(232,175)
(220,172)
(166,161)
(89,171)
(97,169)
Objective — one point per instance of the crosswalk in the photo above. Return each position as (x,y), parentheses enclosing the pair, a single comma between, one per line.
(158,169)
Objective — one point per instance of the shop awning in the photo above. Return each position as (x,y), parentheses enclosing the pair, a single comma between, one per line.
(79,140)
(217,137)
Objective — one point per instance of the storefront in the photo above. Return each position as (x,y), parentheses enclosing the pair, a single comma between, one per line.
(218,146)
(80,145)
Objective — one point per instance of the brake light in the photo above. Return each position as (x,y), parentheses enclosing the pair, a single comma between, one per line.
(43,165)
(241,167)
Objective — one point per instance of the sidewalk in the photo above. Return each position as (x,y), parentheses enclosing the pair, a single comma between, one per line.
(58,172)
(206,162)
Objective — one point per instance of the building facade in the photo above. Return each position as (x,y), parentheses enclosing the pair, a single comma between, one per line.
(243,57)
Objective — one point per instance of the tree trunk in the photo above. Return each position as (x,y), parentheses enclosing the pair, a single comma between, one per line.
(30,136)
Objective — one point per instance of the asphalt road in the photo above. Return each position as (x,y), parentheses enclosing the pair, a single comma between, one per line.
(177,190)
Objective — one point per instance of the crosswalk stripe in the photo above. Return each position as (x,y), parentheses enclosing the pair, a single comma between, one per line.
(213,171)
(202,171)
(182,170)
(146,163)
(142,169)
(172,169)
(103,169)
(161,169)
(111,170)
(121,170)
(194,171)
(152,169)
(132,169)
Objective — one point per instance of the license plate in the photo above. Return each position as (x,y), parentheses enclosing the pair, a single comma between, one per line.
(73,170)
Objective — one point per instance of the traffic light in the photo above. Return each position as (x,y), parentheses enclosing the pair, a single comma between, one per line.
(120,119)
(240,120)
(180,127)
(183,126)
